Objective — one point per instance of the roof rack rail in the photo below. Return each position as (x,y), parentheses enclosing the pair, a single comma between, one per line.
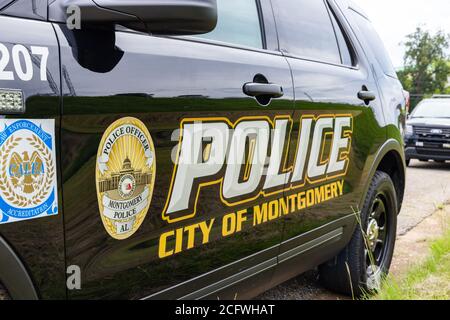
(440,96)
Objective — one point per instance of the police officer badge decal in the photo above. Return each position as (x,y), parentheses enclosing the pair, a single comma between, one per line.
(28,186)
(125,176)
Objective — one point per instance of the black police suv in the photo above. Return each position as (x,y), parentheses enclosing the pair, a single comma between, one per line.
(427,134)
(195,149)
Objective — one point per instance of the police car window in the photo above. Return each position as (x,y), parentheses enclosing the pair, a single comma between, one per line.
(344,47)
(305,30)
(432,109)
(36,9)
(4,3)
(375,43)
(238,23)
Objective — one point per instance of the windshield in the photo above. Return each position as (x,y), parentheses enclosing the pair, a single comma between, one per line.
(432,109)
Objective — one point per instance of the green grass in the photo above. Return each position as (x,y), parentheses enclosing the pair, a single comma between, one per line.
(429,280)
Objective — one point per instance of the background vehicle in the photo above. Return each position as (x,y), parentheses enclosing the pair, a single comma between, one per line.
(250,66)
(427,135)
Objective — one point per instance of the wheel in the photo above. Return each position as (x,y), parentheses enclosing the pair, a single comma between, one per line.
(361,266)
(439,161)
(408,161)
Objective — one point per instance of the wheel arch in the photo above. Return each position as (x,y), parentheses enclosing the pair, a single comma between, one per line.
(13,274)
(390,159)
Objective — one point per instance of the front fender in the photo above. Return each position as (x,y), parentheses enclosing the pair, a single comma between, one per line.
(391,145)
(14,275)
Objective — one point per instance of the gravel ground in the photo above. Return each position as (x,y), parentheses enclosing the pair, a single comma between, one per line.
(427,188)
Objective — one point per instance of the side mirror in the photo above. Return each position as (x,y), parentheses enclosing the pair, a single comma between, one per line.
(160,17)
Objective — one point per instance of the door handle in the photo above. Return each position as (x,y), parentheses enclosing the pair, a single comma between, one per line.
(366,96)
(272,90)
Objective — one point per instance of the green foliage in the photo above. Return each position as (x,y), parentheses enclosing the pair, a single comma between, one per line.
(427,65)
(429,280)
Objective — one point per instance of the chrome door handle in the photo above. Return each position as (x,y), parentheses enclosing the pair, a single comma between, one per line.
(272,90)
(366,96)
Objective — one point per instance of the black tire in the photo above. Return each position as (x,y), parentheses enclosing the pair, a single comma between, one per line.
(351,272)
(408,161)
(439,161)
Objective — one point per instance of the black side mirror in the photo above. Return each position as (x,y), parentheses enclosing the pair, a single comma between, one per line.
(160,17)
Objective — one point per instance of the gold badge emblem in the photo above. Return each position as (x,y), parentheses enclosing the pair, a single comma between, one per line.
(125,175)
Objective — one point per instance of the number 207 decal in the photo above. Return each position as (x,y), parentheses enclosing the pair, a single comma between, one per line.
(23,59)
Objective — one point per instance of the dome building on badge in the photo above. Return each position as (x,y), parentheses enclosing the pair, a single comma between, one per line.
(112,182)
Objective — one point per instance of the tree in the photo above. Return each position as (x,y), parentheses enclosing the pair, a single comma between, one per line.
(426,60)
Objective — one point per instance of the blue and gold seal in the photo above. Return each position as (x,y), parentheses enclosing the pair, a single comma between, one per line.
(28,185)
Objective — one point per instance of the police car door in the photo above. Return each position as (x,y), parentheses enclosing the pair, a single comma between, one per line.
(338,126)
(166,144)
(31,219)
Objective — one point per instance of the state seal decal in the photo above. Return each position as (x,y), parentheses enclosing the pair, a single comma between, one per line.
(125,176)
(28,179)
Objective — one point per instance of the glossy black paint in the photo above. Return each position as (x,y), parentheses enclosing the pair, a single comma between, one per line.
(107,74)
(158,17)
(322,88)
(38,243)
(195,75)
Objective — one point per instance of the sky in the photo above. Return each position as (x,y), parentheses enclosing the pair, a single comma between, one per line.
(394,19)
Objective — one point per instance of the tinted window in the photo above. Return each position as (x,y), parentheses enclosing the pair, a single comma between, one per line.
(305,30)
(238,23)
(4,3)
(36,9)
(346,55)
(375,43)
(432,109)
